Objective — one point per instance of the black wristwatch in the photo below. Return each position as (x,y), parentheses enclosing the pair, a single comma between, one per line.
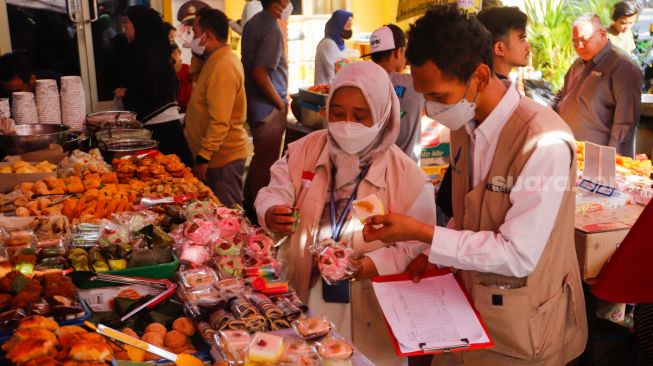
(201,160)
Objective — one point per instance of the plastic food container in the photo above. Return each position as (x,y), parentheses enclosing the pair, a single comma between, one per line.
(312,328)
(198,278)
(201,297)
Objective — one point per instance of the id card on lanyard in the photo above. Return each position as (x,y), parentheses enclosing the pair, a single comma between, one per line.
(339,291)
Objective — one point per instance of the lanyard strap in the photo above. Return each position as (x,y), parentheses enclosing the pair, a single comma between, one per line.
(336,225)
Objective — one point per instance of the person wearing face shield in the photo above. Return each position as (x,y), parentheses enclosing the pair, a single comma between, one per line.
(513,166)
(266,86)
(332,47)
(320,176)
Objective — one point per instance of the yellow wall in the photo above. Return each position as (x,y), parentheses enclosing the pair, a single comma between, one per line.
(234,8)
(368,14)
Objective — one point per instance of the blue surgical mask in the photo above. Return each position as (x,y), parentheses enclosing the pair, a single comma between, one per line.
(454,116)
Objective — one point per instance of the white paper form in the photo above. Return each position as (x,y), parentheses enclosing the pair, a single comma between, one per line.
(433,313)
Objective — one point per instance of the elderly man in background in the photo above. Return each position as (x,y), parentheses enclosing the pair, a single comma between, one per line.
(601,96)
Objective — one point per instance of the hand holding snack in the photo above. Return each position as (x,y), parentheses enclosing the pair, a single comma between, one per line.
(367,206)
(395,227)
(281,219)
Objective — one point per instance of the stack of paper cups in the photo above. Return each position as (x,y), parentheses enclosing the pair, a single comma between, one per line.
(5,111)
(23,108)
(47,101)
(73,102)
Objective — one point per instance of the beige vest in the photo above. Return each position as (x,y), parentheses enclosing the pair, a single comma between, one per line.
(539,319)
(396,180)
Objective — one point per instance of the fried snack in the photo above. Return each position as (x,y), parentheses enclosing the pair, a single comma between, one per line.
(29,294)
(68,334)
(30,349)
(56,284)
(51,182)
(23,334)
(7,280)
(109,178)
(5,301)
(184,325)
(156,328)
(74,185)
(52,211)
(93,351)
(44,361)
(130,332)
(70,329)
(153,338)
(69,206)
(40,188)
(26,187)
(157,170)
(26,167)
(38,321)
(83,363)
(175,339)
(43,202)
(22,212)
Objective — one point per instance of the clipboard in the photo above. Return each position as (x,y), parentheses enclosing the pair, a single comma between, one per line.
(463,345)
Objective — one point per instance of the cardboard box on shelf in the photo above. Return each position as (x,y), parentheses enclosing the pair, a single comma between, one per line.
(598,234)
(54,154)
(595,249)
(8,181)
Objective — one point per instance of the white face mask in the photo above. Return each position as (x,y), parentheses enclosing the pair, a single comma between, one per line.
(285,14)
(353,137)
(454,116)
(195,46)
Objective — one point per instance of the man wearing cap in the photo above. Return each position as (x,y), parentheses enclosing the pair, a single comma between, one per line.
(388,48)
(186,16)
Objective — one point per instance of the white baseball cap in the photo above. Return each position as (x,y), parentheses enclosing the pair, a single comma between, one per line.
(382,39)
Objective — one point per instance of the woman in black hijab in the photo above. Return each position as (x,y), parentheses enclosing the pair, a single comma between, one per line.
(151,84)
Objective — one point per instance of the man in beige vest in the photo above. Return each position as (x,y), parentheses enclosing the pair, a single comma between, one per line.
(511,240)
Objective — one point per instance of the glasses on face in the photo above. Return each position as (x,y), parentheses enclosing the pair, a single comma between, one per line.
(584,40)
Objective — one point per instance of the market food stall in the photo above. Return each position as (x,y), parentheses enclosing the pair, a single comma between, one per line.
(116,252)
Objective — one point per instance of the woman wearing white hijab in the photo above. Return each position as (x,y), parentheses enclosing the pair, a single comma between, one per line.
(363,114)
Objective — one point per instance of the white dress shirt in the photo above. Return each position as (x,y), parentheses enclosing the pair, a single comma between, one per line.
(388,260)
(517,246)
